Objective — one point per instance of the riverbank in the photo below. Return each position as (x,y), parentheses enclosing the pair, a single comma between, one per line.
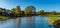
(53,15)
(53,19)
(3,18)
(7,17)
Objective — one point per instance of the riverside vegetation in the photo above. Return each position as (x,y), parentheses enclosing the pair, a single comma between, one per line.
(28,11)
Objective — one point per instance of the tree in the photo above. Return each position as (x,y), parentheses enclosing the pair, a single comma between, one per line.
(41,12)
(53,12)
(3,11)
(17,10)
(29,10)
(13,10)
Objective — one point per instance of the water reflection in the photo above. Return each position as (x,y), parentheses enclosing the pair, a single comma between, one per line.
(26,22)
(17,21)
(30,22)
(7,24)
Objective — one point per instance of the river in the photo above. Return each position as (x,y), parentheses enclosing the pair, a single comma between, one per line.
(26,22)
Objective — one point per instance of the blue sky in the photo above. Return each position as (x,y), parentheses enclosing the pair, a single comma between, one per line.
(47,5)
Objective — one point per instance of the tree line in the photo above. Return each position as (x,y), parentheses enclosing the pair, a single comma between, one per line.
(28,11)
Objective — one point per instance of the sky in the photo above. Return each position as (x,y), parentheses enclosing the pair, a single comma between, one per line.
(46,5)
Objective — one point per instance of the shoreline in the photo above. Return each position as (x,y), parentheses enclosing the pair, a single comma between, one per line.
(8,17)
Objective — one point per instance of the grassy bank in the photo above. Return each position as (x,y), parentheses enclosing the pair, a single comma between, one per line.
(2,18)
(52,15)
(53,19)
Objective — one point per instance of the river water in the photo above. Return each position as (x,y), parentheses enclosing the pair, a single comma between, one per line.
(27,22)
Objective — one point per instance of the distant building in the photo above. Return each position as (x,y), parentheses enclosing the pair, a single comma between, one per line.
(2,10)
(8,11)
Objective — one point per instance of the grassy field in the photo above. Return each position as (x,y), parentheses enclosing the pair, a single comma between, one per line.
(2,18)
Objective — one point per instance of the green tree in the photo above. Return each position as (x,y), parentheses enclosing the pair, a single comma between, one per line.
(29,10)
(53,13)
(3,11)
(41,12)
(17,10)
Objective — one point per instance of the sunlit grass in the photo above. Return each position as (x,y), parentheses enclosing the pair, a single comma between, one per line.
(53,19)
(3,18)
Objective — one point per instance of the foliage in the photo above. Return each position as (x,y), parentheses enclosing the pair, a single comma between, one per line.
(53,13)
(29,10)
(17,10)
(41,12)
(2,18)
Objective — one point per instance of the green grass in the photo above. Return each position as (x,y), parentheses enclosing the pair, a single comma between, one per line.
(52,15)
(53,19)
(2,18)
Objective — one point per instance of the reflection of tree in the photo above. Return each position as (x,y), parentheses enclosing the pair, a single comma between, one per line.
(17,21)
(30,22)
